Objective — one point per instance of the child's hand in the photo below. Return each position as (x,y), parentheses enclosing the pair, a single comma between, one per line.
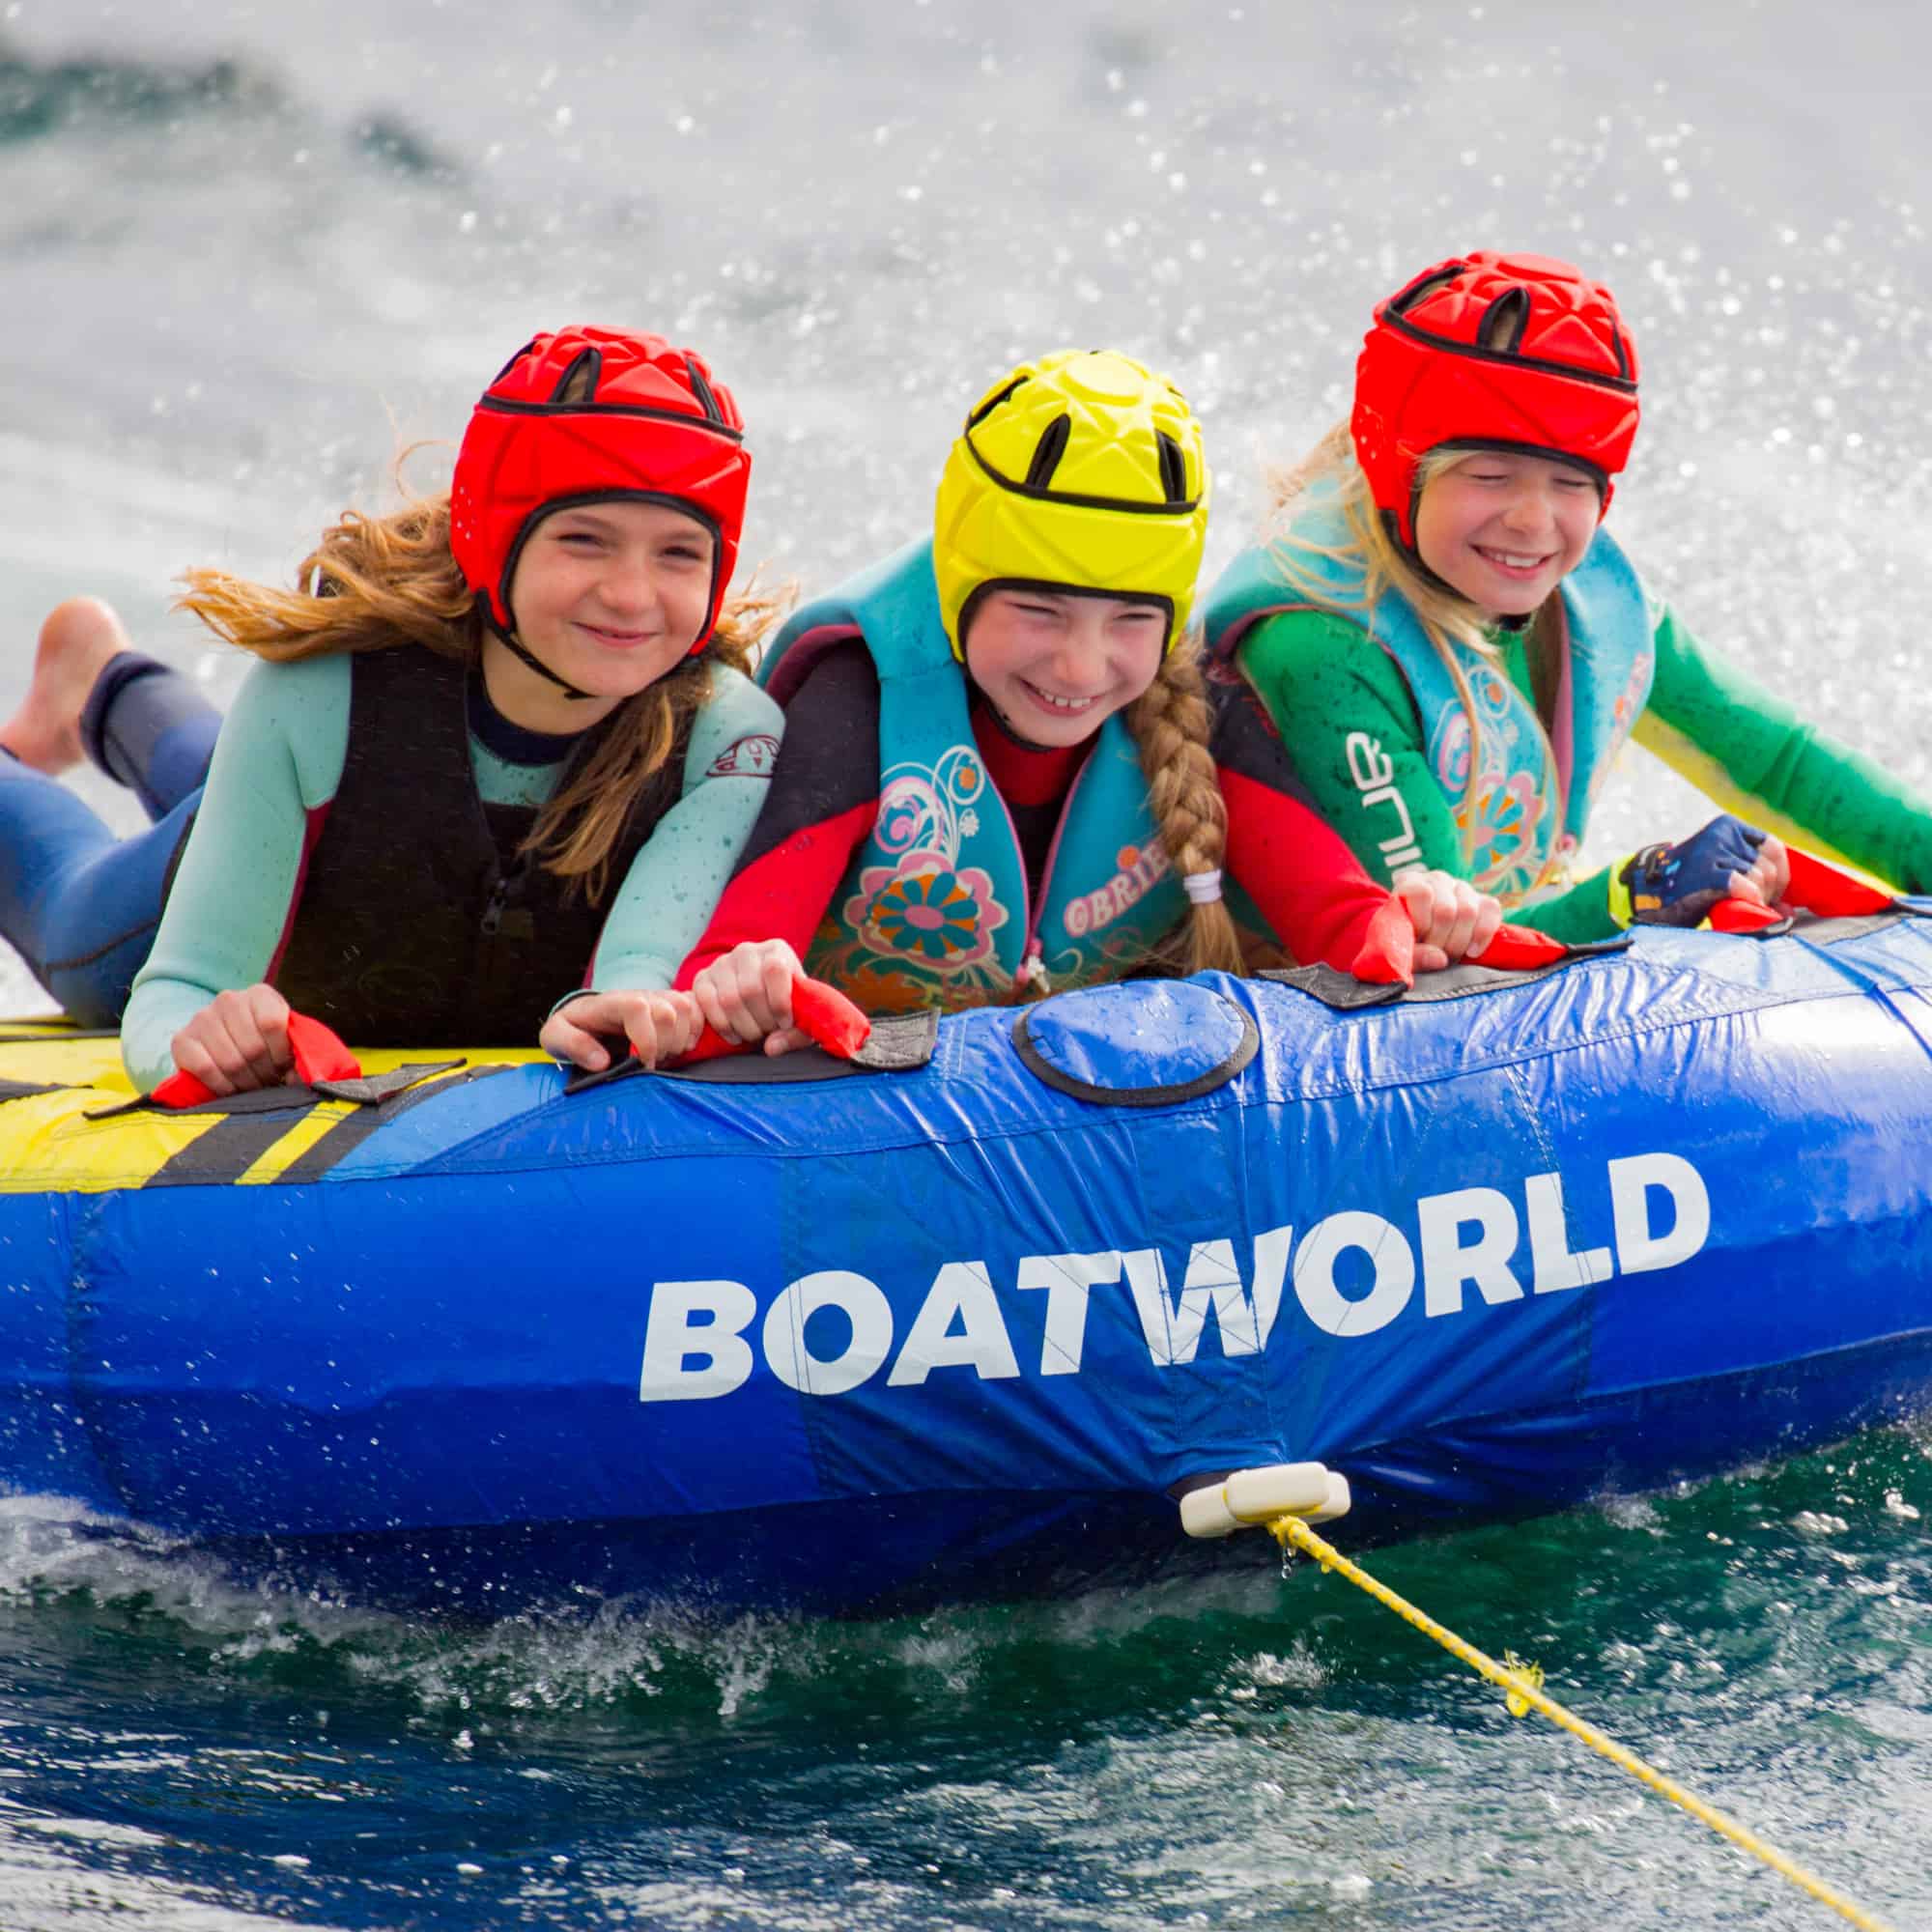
(238,1043)
(1452,920)
(660,1025)
(1678,885)
(747,995)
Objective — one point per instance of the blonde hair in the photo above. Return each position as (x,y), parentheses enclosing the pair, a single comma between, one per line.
(1170,723)
(1446,617)
(376,583)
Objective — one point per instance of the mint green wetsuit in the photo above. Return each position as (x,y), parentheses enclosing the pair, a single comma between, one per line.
(278,763)
(1324,680)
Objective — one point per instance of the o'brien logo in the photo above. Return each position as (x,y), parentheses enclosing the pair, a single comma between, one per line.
(1373,773)
(1141,868)
(699,1339)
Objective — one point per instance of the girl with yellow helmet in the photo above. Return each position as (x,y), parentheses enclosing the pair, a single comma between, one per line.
(1003,769)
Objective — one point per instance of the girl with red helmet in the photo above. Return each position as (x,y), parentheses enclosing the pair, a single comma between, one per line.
(1456,649)
(502,748)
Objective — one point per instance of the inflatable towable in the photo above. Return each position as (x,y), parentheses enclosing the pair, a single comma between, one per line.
(968,1319)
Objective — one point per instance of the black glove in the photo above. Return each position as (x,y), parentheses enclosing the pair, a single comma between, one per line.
(1678,885)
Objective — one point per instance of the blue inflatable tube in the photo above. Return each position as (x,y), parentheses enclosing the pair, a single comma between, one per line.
(970,1329)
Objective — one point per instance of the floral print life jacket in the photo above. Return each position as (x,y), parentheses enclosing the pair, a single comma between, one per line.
(935,909)
(1534,789)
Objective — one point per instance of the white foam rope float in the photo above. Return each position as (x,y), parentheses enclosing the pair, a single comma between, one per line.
(1249,1498)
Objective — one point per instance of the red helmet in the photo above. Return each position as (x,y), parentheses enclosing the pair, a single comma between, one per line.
(1494,351)
(588,414)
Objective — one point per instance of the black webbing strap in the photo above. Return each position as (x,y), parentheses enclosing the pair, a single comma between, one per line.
(898,1043)
(370,1090)
(1454,982)
(25,1090)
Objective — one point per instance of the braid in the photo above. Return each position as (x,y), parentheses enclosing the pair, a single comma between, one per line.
(1170,723)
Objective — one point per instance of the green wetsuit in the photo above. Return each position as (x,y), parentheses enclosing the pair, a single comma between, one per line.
(280,757)
(1323,679)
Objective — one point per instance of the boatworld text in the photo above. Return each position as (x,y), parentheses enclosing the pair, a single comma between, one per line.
(699,1337)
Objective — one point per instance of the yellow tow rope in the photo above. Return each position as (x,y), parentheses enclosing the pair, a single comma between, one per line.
(1522,1686)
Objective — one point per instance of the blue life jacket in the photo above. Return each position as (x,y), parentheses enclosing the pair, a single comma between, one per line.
(934,911)
(1534,789)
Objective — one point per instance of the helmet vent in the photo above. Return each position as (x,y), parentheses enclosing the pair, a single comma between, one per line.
(1622,353)
(706,401)
(513,362)
(1421,286)
(994,401)
(578,383)
(1172,469)
(1504,322)
(1048,451)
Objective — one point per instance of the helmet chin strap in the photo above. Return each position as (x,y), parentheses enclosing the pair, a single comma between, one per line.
(1413,553)
(515,646)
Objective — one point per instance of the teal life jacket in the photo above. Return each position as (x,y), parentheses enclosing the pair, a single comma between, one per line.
(1534,789)
(934,910)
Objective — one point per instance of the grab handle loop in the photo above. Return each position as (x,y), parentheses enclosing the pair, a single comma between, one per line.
(1518,948)
(319,1055)
(1387,955)
(1815,886)
(822,1012)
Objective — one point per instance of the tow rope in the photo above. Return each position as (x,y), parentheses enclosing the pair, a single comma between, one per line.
(1287,1498)
(1522,1688)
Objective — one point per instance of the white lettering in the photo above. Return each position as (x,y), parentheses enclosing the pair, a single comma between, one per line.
(1388,795)
(1447,1263)
(1079,916)
(1369,765)
(698,1343)
(1638,1249)
(671,1339)
(1554,1266)
(865,1307)
(962,1292)
(1373,774)
(1173,1329)
(1271,1271)
(1067,1278)
(1324,1303)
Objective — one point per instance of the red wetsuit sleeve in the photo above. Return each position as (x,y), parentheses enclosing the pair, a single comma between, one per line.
(783,893)
(823,803)
(1298,871)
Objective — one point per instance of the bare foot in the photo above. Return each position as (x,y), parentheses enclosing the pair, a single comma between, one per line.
(76,641)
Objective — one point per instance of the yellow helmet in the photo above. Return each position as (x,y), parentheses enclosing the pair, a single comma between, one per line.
(1083,468)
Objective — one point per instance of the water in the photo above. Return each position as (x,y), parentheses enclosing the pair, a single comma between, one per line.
(1242,1752)
(249,249)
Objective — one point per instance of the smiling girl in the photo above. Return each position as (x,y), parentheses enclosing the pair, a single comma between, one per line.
(1003,769)
(1456,650)
(502,746)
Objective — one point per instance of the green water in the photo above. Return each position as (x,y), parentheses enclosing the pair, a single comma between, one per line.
(1247,1749)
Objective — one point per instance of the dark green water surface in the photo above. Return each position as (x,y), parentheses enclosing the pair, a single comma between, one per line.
(1243,1750)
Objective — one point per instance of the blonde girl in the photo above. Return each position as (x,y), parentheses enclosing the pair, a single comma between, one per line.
(1456,649)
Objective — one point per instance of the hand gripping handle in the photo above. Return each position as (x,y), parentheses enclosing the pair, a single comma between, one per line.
(822,1012)
(319,1055)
